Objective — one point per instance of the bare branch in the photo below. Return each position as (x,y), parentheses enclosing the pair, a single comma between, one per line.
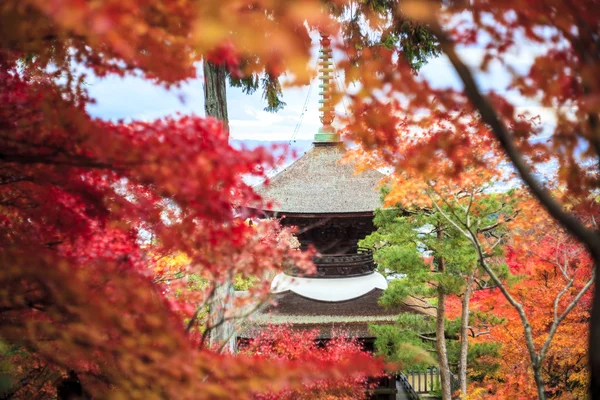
(497,224)
(496,243)
(474,335)
(423,337)
(468,210)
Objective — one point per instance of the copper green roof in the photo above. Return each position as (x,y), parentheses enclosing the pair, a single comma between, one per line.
(318,183)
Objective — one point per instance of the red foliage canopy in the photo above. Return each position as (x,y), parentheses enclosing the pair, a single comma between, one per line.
(82,199)
(283,343)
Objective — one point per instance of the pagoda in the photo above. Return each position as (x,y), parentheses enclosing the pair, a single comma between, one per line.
(332,208)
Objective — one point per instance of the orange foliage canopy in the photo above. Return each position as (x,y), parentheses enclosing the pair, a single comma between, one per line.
(549,265)
(415,125)
(544,54)
(81,199)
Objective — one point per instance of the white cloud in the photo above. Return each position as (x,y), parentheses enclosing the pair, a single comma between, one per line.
(134,98)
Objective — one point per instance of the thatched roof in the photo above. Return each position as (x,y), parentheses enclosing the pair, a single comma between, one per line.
(318,183)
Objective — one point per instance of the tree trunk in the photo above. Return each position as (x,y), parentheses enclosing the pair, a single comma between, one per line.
(464,335)
(215,92)
(223,335)
(539,380)
(594,338)
(440,332)
(440,345)
(215,105)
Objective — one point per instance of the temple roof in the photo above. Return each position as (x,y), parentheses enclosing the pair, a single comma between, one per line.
(364,307)
(318,183)
(352,316)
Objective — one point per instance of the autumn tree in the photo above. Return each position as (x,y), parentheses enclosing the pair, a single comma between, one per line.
(481,243)
(561,77)
(81,196)
(196,290)
(453,189)
(551,274)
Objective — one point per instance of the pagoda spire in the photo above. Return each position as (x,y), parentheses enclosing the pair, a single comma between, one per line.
(326,133)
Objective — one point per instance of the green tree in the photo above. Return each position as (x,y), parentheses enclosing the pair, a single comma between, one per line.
(429,257)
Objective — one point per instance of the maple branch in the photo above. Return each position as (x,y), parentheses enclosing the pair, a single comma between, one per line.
(563,267)
(498,128)
(482,284)
(500,208)
(560,295)
(449,207)
(535,360)
(498,223)
(496,243)
(199,308)
(564,314)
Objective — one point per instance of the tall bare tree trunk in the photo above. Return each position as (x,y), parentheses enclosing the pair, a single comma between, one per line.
(440,345)
(215,105)
(440,332)
(464,334)
(215,92)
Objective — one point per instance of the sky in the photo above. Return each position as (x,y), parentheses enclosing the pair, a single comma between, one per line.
(133,98)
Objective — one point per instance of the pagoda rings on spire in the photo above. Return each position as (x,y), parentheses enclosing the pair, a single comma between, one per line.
(326,75)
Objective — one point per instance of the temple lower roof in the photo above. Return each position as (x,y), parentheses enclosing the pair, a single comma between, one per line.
(351,317)
(318,183)
(290,303)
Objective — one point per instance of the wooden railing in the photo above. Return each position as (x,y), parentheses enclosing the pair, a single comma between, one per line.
(341,265)
(410,392)
(425,382)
